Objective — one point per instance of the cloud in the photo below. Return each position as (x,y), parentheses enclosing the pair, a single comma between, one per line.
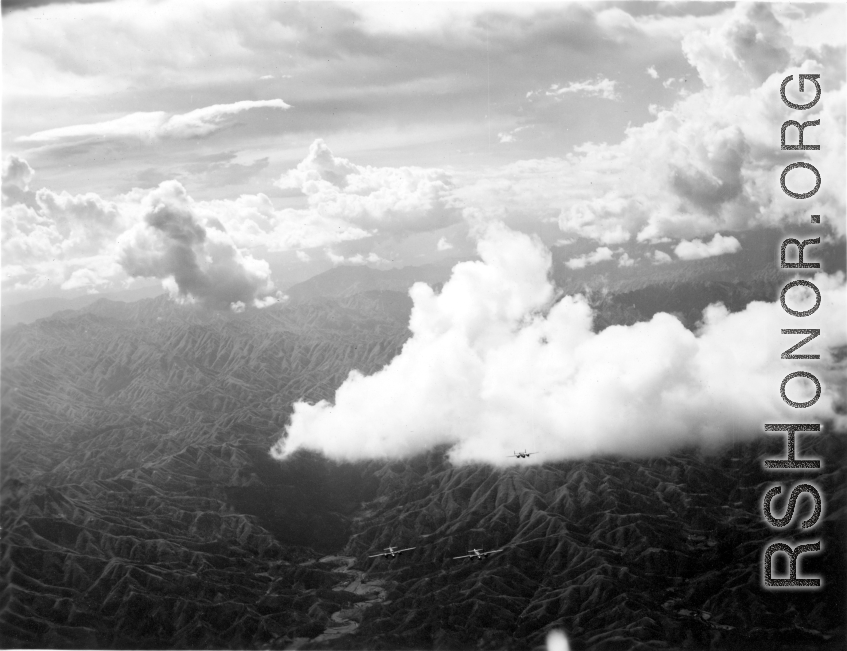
(599,87)
(652,72)
(696,249)
(97,274)
(198,262)
(156,125)
(443,245)
(496,362)
(56,238)
(82,241)
(625,261)
(506,137)
(394,199)
(696,168)
(359,258)
(252,221)
(742,52)
(16,177)
(660,257)
(600,254)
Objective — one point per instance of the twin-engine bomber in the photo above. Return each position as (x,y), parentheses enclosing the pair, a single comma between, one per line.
(391,552)
(521,455)
(475,554)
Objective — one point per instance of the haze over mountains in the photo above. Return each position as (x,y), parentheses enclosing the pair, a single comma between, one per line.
(141,508)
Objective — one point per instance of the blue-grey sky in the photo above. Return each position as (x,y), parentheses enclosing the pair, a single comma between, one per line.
(224,149)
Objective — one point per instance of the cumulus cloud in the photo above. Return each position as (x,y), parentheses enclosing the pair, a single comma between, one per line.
(16,177)
(660,257)
(198,262)
(625,261)
(698,167)
(443,244)
(359,258)
(697,249)
(154,125)
(253,221)
(506,137)
(652,72)
(600,254)
(496,361)
(56,238)
(708,163)
(385,198)
(74,241)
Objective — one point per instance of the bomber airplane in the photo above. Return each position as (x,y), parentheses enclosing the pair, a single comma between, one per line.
(521,455)
(477,554)
(391,552)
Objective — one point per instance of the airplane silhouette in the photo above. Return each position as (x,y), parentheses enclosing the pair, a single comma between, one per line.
(391,552)
(521,455)
(477,554)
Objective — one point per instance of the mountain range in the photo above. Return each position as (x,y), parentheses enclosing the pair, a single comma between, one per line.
(141,507)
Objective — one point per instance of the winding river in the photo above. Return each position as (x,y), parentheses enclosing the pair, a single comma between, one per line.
(346,620)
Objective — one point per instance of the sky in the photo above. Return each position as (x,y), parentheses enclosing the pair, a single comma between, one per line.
(224,151)
(227,150)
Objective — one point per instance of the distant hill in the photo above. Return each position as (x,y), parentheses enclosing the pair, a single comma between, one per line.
(347,280)
(755,267)
(29,311)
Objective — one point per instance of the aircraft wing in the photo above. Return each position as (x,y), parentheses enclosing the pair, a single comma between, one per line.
(377,555)
(397,551)
(456,558)
(493,551)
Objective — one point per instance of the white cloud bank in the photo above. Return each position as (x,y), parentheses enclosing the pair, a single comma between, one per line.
(389,198)
(600,254)
(153,125)
(697,249)
(710,163)
(55,238)
(495,363)
(86,242)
